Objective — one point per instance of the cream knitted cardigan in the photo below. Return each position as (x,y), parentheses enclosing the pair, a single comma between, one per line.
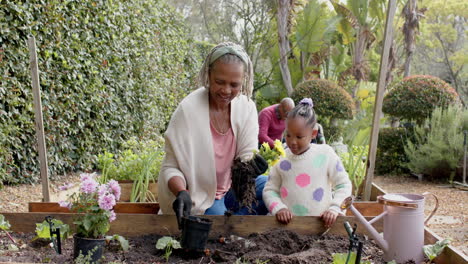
(189,148)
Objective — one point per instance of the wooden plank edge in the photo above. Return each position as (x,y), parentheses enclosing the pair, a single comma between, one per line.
(450,255)
(139,224)
(120,207)
(376,191)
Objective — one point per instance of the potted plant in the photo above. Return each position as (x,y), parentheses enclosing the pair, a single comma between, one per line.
(94,202)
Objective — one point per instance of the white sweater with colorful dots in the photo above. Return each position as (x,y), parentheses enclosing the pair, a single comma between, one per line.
(307,184)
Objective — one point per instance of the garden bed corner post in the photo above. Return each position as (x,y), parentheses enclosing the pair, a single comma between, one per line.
(379,99)
(41,146)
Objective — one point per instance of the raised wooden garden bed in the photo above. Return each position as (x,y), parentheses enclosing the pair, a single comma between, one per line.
(136,219)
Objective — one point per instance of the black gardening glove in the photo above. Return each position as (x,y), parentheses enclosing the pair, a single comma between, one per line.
(182,206)
(259,164)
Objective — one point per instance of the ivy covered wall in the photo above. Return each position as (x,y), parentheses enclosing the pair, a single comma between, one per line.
(109,70)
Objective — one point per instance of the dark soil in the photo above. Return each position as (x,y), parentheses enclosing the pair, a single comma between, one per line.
(276,246)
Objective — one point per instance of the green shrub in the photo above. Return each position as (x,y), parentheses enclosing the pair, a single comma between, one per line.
(391,150)
(330,100)
(415,97)
(438,143)
(109,70)
(128,163)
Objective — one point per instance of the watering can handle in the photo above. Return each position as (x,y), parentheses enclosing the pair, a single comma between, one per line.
(435,207)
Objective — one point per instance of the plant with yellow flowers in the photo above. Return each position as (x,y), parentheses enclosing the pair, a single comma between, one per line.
(271,155)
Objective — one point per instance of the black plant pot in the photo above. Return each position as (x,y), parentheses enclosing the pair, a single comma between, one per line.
(195,232)
(88,246)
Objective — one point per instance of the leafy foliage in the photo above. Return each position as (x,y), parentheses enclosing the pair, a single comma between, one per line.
(4,224)
(109,70)
(415,97)
(127,164)
(122,241)
(354,162)
(43,229)
(167,243)
(432,251)
(139,161)
(391,150)
(329,99)
(438,144)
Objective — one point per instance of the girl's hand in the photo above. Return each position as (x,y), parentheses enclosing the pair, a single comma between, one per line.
(284,216)
(329,217)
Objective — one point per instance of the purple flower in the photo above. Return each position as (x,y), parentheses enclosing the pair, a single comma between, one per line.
(112,216)
(102,190)
(107,201)
(65,204)
(89,185)
(66,186)
(87,176)
(115,188)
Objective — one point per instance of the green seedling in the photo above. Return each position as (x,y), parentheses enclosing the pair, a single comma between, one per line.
(168,244)
(43,229)
(5,226)
(432,251)
(122,241)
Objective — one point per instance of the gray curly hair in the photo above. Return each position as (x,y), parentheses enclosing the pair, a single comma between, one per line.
(231,53)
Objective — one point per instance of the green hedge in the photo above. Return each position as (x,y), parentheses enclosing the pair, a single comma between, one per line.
(109,70)
(330,100)
(391,155)
(415,97)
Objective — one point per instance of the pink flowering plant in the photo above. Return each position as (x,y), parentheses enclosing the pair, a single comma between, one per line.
(94,202)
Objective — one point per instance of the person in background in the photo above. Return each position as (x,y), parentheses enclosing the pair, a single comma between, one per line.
(311,179)
(271,121)
(212,127)
(320,138)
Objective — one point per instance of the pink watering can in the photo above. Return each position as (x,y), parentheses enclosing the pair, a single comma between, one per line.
(403,216)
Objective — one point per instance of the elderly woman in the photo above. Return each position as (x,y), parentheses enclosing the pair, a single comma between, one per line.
(210,129)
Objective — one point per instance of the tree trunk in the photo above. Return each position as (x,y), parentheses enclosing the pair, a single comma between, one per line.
(284,49)
(409,28)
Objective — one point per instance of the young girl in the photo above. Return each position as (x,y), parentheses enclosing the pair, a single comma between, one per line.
(311,179)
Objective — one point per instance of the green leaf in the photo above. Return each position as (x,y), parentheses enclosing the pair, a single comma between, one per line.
(432,251)
(122,241)
(346,30)
(4,224)
(311,27)
(43,229)
(12,247)
(163,242)
(167,242)
(87,224)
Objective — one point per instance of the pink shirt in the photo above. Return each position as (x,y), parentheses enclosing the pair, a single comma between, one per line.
(224,146)
(271,127)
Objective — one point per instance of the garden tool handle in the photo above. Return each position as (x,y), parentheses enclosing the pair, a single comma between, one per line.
(435,207)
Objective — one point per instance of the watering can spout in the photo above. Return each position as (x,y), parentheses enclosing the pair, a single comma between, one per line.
(348,204)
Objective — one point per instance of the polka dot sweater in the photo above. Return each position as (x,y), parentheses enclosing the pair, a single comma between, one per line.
(307,184)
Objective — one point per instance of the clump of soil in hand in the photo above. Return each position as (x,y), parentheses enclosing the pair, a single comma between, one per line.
(243,183)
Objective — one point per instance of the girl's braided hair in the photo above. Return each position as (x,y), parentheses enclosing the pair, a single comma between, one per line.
(305,109)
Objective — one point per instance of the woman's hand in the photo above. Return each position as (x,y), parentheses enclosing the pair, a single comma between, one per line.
(329,217)
(284,216)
